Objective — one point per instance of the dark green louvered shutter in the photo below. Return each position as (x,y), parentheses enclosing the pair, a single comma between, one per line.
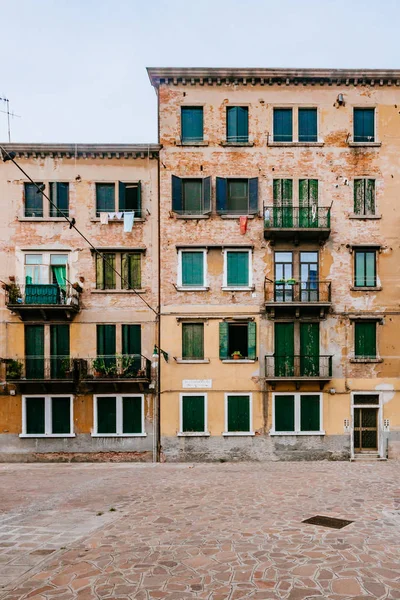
(59,351)
(60,415)
(121,195)
(237,119)
(132,414)
(370,196)
(105,273)
(253,195)
(192,123)
(309,413)
(34,351)
(284,349)
(207,194)
(283,125)
(106,344)
(131,346)
(34,413)
(359,196)
(59,196)
(308,125)
(193,341)
(105,197)
(364,124)
(33,200)
(192,268)
(107,414)
(223,340)
(193,414)
(177,199)
(222,194)
(237,269)
(251,340)
(365,339)
(309,349)
(238,413)
(284,413)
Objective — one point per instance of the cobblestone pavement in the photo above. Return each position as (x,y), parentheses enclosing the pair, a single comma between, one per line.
(209,531)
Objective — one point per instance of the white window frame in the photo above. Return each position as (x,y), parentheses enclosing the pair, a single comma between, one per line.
(119,422)
(46,262)
(246,288)
(375,142)
(227,433)
(297,420)
(182,433)
(47,416)
(192,288)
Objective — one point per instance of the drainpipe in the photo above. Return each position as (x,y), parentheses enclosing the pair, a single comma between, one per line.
(157,415)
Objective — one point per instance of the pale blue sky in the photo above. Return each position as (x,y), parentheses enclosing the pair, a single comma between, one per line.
(75,69)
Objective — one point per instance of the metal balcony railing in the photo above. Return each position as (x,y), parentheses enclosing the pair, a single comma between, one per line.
(41,294)
(122,366)
(297,292)
(295,217)
(39,368)
(298,367)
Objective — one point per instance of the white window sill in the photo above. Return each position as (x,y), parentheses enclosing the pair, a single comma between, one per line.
(233,144)
(182,288)
(365,217)
(43,219)
(118,435)
(239,360)
(190,361)
(294,433)
(193,434)
(291,144)
(366,360)
(191,143)
(47,435)
(245,288)
(193,217)
(238,433)
(367,144)
(228,216)
(377,288)
(135,291)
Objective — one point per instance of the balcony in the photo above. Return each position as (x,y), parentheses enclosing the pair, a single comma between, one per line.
(297,223)
(299,297)
(38,374)
(116,373)
(298,368)
(42,302)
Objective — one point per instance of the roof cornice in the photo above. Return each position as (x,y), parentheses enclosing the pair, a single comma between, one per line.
(252,76)
(84,150)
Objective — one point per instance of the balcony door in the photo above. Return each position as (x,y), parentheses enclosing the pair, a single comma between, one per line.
(309,276)
(309,349)
(45,278)
(308,202)
(283,276)
(34,351)
(284,349)
(283,203)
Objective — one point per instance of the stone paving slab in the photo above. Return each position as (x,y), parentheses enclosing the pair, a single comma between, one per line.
(212,531)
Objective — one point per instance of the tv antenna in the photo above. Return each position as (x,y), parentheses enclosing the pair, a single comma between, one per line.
(9,114)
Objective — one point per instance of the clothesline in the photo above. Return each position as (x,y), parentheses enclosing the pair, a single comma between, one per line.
(127,215)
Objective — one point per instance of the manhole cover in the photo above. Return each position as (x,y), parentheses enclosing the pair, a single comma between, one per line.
(328,522)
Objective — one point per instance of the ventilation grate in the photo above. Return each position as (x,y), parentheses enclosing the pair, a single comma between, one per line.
(328,522)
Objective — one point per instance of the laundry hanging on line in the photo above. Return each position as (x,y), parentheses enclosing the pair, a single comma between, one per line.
(129,218)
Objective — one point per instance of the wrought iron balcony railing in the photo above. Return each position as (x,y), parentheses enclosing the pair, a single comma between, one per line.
(122,366)
(296,217)
(41,294)
(40,368)
(298,367)
(290,291)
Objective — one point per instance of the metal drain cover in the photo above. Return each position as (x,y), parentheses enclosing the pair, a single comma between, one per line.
(328,522)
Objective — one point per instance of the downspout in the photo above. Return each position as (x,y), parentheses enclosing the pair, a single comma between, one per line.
(157,416)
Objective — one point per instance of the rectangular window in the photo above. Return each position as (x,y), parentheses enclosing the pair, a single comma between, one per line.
(47,416)
(237,340)
(238,196)
(60,363)
(308,125)
(237,269)
(59,196)
(130,198)
(237,124)
(131,361)
(365,268)
(192,267)
(191,124)
(283,125)
(193,413)
(191,196)
(193,341)
(121,415)
(364,124)
(131,271)
(364,196)
(238,413)
(365,339)
(34,352)
(33,200)
(297,413)
(105,273)
(105,198)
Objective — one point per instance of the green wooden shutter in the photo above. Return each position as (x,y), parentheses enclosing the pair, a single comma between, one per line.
(231,124)
(364,124)
(365,339)
(107,414)
(284,349)
(251,340)
(222,194)
(253,195)
(34,351)
(277,193)
(193,341)
(105,197)
(192,269)
(359,196)
(370,196)
(106,344)
(309,349)
(59,351)
(99,272)
(283,125)
(223,340)
(308,125)
(132,414)
(34,412)
(243,124)
(60,415)
(59,196)
(131,339)
(304,204)
(192,123)
(309,413)
(109,271)
(121,195)
(177,196)
(238,413)
(131,271)
(207,194)
(193,414)
(284,413)
(237,269)
(287,202)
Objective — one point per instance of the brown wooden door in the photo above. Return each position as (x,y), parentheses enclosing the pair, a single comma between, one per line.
(365,429)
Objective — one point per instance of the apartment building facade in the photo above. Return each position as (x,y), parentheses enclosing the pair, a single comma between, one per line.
(76,337)
(262,261)
(280,274)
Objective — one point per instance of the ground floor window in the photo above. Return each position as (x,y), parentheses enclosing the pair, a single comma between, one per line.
(193,413)
(47,416)
(297,413)
(238,414)
(119,415)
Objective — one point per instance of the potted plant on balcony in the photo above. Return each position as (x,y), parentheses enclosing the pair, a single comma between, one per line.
(66,369)
(291,281)
(14,291)
(127,367)
(99,368)
(14,369)
(236,355)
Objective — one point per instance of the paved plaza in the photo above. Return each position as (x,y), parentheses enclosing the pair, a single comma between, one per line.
(209,531)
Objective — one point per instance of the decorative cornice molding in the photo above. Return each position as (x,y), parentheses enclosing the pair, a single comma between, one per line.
(84,150)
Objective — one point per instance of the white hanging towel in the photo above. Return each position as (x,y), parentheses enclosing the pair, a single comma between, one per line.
(128,221)
(119,215)
(112,215)
(104,218)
